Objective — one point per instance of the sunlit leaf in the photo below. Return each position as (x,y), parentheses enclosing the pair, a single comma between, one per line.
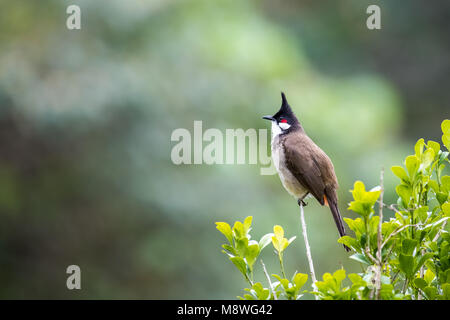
(238,230)
(429,276)
(418,147)
(226,230)
(446,133)
(400,172)
(427,158)
(247,223)
(300,280)
(240,264)
(252,254)
(412,164)
(404,192)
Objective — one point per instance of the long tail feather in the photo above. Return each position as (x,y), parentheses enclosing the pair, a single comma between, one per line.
(337,218)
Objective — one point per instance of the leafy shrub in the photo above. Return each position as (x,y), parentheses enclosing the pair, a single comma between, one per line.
(406,257)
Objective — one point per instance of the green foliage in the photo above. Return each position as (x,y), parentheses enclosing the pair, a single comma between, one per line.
(244,252)
(406,257)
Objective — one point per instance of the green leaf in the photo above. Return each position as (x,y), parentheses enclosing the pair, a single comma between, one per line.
(360,258)
(400,172)
(434,185)
(427,158)
(422,260)
(300,280)
(420,214)
(372,196)
(355,278)
(229,248)
(276,244)
(252,254)
(446,141)
(443,156)
(287,242)
(373,225)
(241,246)
(240,264)
(446,291)
(446,133)
(226,230)
(247,223)
(339,275)
(408,246)
(387,292)
(434,145)
(430,292)
(441,197)
(278,232)
(261,292)
(349,242)
(363,200)
(358,190)
(356,225)
(284,244)
(359,207)
(238,230)
(404,192)
(283,282)
(418,148)
(420,283)
(445,184)
(406,264)
(276,276)
(265,240)
(412,164)
(446,209)
(429,276)
(279,242)
(445,276)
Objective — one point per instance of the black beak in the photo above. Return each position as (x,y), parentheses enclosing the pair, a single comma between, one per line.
(268,118)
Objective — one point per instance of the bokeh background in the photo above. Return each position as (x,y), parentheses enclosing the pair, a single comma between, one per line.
(86,119)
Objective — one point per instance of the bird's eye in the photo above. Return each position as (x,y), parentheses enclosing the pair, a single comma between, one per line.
(283,121)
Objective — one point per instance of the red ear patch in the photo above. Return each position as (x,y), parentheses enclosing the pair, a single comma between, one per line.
(283,121)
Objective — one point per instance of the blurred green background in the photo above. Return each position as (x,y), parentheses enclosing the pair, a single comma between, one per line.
(86,119)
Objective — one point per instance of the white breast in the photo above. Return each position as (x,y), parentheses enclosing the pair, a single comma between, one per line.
(288,180)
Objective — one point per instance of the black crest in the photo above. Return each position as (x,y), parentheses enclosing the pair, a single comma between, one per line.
(286,111)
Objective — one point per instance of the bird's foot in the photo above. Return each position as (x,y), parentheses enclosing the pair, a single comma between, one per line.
(302,203)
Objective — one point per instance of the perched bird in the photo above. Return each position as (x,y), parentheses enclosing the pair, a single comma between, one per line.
(303,167)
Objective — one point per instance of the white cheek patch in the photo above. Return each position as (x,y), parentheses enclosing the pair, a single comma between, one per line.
(284,125)
(275,129)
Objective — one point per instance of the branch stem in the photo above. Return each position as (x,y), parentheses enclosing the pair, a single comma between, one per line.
(268,280)
(379,240)
(308,249)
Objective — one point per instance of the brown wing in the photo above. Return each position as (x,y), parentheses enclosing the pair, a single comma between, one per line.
(315,171)
(301,158)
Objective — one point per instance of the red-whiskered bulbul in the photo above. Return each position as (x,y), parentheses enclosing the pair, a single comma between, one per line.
(302,166)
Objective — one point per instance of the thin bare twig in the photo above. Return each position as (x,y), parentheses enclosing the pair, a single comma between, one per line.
(397,231)
(380,214)
(421,274)
(371,257)
(308,249)
(436,237)
(379,240)
(391,206)
(268,279)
